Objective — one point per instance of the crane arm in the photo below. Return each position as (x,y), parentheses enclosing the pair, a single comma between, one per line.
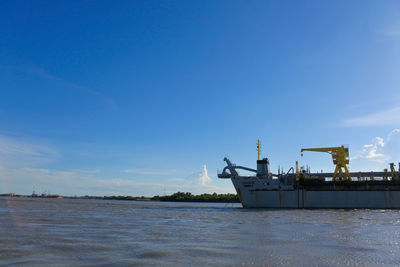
(321,149)
(340,157)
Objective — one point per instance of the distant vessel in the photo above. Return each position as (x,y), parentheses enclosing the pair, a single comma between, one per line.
(302,189)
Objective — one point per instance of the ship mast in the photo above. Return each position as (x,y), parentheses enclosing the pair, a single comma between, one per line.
(258,149)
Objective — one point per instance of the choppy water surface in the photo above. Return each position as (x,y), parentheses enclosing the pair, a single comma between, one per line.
(95,232)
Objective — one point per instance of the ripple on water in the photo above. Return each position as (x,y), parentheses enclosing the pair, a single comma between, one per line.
(94,232)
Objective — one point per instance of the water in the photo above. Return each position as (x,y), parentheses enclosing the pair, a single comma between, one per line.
(98,232)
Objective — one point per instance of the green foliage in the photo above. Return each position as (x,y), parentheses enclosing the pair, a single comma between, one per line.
(124,198)
(179,196)
(189,197)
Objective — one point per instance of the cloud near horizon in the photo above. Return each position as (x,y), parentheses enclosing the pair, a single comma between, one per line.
(93,182)
(204,179)
(150,171)
(24,166)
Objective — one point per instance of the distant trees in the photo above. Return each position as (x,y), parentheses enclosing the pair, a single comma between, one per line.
(178,196)
(189,197)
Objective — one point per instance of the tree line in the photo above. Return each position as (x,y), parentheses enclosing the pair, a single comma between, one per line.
(189,197)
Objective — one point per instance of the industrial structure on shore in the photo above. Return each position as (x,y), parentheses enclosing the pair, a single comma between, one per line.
(299,188)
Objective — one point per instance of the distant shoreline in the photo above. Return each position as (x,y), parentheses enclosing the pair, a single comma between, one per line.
(176,197)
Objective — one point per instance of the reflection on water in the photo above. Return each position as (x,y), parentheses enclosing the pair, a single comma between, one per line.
(93,232)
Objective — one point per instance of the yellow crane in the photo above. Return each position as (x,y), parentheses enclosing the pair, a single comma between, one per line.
(395,175)
(340,157)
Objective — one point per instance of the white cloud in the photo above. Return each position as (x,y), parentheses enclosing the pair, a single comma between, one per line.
(204,179)
(373,151)
(380,151)
(198,183)
(387,117)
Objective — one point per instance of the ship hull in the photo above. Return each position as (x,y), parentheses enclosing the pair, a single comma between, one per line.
(302,198)
(267,190)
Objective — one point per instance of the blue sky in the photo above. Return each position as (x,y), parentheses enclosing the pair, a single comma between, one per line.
(142,98)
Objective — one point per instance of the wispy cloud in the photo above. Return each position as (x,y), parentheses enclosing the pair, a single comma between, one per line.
(84,182)
(24,164)
(386,117)
(197,182)
(41,73)
(150,171)
(389,28)
(19,152)
(71,182)
(391,31)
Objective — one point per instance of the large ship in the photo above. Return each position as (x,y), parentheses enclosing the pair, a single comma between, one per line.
(299,188)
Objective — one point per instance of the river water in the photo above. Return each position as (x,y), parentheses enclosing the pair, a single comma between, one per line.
(142,233)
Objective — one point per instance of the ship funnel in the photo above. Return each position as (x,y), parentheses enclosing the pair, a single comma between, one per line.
(263,167)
